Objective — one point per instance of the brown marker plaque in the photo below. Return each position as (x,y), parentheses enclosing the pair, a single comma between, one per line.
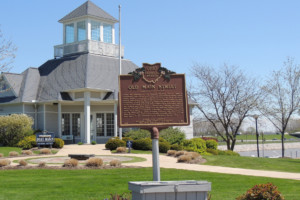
(152,96)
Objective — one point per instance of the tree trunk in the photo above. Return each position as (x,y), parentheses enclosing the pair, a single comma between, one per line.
(233,144)
(282,144)
(228,143)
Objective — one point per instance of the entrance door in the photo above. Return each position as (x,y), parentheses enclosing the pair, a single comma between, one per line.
(92,127)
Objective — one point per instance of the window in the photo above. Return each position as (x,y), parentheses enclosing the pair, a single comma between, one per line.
(107,33)
(69,31)
(95,32)
(76,124)
(65,124)
(100,124)
(110,124)
(81,32)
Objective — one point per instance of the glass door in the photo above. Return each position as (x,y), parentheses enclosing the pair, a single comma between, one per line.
(92,128)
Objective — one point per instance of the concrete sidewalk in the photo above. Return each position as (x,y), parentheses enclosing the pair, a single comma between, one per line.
(166,162)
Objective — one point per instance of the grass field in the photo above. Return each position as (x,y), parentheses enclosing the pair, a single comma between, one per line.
(6,150)
(44,184)
(272,164)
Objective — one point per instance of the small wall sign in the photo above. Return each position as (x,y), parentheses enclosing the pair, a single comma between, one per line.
(45,138)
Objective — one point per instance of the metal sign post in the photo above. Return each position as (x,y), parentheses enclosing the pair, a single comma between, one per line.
(155,154)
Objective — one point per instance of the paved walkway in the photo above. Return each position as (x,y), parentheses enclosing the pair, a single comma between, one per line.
(168,162)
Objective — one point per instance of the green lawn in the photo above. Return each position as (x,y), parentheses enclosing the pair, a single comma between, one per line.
(5,150)
(45,184)
(272,164)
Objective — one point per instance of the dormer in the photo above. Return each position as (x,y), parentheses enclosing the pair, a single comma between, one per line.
(88,29)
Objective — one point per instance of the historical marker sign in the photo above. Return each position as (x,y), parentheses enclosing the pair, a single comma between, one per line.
(153,96)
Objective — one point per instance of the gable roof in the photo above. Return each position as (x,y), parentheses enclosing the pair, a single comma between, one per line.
(88,9)
(15,81)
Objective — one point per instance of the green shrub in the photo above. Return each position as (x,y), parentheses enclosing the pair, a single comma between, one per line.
(173,135)
(228,153)
(211,144)
(262,192)
(28,142)
(142,144)
(114,143)
(164,147)
(195,144)
(138,134)
(93,142)
(58,143)
(80,143)
(125,139)
(212,151)
(14,128)
(177,147)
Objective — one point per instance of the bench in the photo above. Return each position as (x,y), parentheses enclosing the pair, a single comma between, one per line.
(81,156)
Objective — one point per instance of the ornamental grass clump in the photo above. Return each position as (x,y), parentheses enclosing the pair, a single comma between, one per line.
(171,153)
(45,151)
(94,162)
(13,154)
(121,150)
(184,158)
(193,155)
(42,164)
(27,152)
(115,163)
(262,192)
(71,163)
(179,153)
(23,163)
(4,162)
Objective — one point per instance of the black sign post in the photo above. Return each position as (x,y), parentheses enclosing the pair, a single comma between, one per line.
(129,145)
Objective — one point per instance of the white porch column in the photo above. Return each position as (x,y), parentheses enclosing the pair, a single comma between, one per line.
(87,114)
(59,119)
(116,117)
(44,116)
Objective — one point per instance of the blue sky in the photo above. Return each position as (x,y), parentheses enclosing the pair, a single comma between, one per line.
(255,35)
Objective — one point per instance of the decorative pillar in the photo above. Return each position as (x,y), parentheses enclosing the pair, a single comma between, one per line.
(59,119)
(44,116)
(115,120)
(87,114)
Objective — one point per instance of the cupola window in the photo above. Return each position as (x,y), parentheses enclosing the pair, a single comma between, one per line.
(95,26)
(69,31)
(81,31)
(107,33)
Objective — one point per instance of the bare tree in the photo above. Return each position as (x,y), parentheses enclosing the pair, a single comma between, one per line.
(7,53)
(224,96)
(7,56)
(283,96)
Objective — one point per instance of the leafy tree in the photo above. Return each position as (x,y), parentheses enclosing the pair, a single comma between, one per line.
(225,97)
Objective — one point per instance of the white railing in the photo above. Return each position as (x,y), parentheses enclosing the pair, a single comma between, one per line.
(95,47)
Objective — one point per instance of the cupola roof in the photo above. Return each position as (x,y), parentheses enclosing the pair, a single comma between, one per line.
(88,9)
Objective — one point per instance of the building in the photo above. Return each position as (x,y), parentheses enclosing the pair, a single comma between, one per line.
(74,95)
